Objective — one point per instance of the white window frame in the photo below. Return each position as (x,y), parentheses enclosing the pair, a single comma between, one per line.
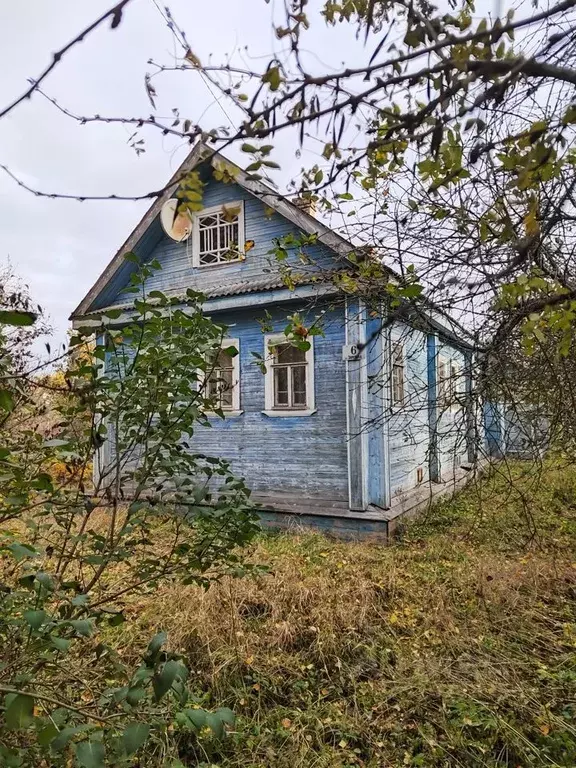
(394,346)
(234,409)
(443,399)
(273,339)
(196,233)
(456,384)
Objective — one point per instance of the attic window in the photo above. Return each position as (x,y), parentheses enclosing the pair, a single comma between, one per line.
(219,235)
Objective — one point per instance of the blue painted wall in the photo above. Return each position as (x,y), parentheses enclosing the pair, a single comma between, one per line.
(177,272)
(409,432)
(377,423)
(304,455)
(452,420)
(308,456)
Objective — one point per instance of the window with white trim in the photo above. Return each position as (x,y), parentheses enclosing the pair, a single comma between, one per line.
(218,235)
(398,374)
(223,377)
(456,384)
(442,382)
(289,378)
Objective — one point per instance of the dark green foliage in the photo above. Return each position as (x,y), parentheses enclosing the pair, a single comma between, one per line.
(84,512)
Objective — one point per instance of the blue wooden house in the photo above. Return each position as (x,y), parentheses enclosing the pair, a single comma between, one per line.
(367,425)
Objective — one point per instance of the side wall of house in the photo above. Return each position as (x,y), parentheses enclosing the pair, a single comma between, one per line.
(408,428)
(453,425)
(301,455)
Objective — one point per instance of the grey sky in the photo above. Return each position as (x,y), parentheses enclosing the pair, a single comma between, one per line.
(60,247)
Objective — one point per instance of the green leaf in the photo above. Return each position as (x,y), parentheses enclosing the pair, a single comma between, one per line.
(45,580)
(6,400)
(60,643)
(272,77)
(20,551)
(90,754)
(65,735)
(162,682)
(215,724)
(20,712)
(135,695)
(35,618)
(134,737)
(156,643)
(131,256)
(113,314)
(249,148)
(47,735)
(82,627)
(79,600)
(197,717)
(16,317)
(117,619)
(226,715)
(56,442)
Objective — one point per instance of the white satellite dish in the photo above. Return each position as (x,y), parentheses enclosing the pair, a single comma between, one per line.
(177,226)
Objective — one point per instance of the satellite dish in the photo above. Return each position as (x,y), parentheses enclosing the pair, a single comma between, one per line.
(177,226)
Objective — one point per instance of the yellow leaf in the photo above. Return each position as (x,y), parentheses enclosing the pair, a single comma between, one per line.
(192,58)
(545,729)
(249,660)
(256,686)
(531,224)
(286,723)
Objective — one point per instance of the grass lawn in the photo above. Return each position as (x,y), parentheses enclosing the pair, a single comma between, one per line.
(455,646)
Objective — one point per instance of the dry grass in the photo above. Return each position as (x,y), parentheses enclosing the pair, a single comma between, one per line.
(453,647)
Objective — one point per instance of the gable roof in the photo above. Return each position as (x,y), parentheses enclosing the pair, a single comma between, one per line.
(202,153)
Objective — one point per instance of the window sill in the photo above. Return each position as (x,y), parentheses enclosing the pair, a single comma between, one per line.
(219,263)
(227,415)
(293,412)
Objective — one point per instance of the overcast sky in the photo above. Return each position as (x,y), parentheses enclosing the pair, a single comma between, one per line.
(60,247)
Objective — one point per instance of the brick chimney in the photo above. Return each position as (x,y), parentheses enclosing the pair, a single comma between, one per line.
(305,204)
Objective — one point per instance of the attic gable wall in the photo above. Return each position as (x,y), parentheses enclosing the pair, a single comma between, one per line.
(177,273)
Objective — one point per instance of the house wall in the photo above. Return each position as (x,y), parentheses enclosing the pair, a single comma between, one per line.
(408,427)
(260,225)
(378,402)
(452,420)
(304,455)
(356,447)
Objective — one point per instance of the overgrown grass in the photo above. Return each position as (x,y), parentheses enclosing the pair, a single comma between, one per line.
(455,646)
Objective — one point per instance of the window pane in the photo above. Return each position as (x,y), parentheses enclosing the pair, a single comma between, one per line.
(398,385)
(299,385)
(226,385)
(281,386)
(224,360)
(220,386)
(218,238)
(286,353)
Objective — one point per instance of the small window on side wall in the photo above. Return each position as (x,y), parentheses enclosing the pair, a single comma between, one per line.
(398,375)
(289,378)
(442,383)
(223,377)
(456,384)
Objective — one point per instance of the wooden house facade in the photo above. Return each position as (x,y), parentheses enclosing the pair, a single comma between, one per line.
(367,425)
